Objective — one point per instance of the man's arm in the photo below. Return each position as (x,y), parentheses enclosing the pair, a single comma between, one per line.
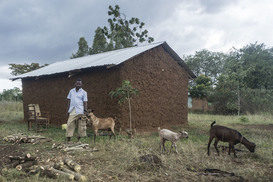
(85,106)
(68,105)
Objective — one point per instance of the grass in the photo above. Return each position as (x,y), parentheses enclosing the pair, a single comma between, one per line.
(118,160)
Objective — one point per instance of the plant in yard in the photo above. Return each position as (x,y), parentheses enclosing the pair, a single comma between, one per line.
(125,92)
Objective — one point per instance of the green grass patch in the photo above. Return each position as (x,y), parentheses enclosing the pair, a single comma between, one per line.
(118,160)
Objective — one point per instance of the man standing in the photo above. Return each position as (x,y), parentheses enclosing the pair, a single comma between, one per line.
(77,104)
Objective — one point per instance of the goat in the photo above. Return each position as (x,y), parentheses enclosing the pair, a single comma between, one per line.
(229,135)
(167,135)
(102,124)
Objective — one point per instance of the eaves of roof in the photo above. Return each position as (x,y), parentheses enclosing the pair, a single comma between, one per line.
(110,58)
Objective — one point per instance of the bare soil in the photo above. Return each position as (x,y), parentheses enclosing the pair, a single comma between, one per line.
(9,150)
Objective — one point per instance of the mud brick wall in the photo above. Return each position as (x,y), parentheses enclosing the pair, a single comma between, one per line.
(161,81)
(163,86)
(51,92)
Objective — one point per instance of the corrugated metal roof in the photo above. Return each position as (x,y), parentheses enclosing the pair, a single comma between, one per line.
(115,57)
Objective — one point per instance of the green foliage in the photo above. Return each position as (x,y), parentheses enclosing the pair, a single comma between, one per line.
(18,69)
(99,43)
(207,63)
(83,49)
(239,79)
(243,119)
(125,92)
(201,87)
(14,94)
(121,33)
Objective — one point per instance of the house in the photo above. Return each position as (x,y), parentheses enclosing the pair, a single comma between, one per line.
(155,70)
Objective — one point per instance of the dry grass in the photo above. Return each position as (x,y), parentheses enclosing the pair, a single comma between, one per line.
(119,160)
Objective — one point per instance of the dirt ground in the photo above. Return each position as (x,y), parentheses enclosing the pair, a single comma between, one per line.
(9,150)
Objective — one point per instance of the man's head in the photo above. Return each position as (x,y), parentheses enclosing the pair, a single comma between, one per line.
(78,84)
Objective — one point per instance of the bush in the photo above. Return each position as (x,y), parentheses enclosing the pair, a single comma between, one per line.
(243,119)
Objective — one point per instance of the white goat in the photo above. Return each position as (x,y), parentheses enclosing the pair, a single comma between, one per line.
(168,135)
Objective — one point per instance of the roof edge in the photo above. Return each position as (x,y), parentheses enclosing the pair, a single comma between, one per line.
(176,57)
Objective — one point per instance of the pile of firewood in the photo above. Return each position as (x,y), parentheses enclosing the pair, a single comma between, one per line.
(22,163)
(21,138)
(66,168)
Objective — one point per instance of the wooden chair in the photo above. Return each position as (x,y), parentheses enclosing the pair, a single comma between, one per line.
(40,119)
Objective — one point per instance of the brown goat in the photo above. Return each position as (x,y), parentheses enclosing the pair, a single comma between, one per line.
(102,124)
(229,135)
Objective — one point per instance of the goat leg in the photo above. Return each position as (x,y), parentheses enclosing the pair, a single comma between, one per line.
(113,132)
(229,149)
(163,143)
(215,145)
(210,140)
(176,148)
(171,147)
(109,133)
(234,151)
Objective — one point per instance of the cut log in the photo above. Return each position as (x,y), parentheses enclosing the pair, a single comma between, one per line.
(22,159)
(25,165)
(51,172)
(13,165)
(59,165)
(72,165)
(78,176)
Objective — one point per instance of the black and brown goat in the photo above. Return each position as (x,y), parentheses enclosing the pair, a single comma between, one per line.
(229,135)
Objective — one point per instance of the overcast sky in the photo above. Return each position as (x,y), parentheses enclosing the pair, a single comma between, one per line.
(47,31)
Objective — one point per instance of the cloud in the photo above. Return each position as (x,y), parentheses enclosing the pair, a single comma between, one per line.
(47,31)
(5,83)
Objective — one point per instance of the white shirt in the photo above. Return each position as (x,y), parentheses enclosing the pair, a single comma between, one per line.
(76,100)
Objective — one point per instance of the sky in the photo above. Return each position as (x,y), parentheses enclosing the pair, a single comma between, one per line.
(47,31)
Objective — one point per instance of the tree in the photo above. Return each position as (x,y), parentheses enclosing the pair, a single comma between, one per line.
(125,92)
(83,49)
(18,69)
(207,63)
(14,94)
(124,33)
(121,33)
(201,88)
(99,43)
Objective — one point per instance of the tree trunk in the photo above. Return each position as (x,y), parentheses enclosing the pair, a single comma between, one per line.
(130,115)
(238,93)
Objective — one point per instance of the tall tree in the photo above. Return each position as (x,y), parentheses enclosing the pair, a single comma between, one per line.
(207,63)
(123,33)
(99,43)
(120,33)
(18,69)
(83,49)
